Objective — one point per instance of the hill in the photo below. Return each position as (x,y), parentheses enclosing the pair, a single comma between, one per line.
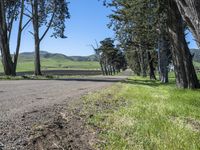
(55,61)
(48,55)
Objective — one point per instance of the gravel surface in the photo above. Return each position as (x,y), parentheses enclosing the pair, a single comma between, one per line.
(26,103)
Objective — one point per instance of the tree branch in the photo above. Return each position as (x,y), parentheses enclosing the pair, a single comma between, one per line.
(31,32)
(19,35)
(26,24)
(10,23)
(27,15)
(48,27)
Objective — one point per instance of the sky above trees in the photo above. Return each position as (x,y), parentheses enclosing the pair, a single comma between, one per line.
(88,23)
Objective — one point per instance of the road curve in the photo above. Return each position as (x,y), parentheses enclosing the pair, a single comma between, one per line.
(19,98)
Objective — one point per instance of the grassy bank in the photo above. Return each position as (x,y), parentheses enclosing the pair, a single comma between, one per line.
(142,114)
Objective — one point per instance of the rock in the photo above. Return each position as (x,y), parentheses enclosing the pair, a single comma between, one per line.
(1,146)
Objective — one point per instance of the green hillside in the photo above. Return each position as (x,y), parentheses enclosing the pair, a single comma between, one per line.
(51,61)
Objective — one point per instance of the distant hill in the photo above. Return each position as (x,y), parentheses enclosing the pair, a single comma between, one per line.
(45,54)
(196,53)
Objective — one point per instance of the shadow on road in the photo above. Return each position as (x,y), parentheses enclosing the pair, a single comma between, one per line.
(93,79)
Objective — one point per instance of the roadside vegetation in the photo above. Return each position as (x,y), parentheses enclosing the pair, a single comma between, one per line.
(144,114)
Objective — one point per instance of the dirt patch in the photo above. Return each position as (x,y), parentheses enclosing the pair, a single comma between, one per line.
(57,128)
(194,124)
(189,123)
(67,131)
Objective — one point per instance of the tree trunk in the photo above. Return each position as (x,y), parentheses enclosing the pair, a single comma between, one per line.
(143,65)
(111,71)
(102,69)
(133,58)
(151,67)
(190,11)
(163,57)
(36,37)
(6,57)
(4,43)
(184,70)
(37,58)
(19,36)
(114,71)
(105,69)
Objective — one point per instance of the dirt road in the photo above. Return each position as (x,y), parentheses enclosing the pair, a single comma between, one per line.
(28,102)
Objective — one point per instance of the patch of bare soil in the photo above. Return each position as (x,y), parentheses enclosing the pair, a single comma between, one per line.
(63,128)
(67,131)
(190,123)
(194,124)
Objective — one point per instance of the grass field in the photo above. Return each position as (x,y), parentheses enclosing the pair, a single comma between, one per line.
(142,114)
(54,64)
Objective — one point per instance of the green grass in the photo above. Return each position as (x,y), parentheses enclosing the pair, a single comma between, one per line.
(197,64)
(142,114)
(54,64)
(172,76)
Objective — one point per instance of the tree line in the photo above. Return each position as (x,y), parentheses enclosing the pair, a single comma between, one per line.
(111,58)
(43,15)
(152,35)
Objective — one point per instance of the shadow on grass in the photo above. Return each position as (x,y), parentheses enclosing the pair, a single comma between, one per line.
(147,82)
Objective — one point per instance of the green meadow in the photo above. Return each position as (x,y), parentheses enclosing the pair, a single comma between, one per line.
(27,64)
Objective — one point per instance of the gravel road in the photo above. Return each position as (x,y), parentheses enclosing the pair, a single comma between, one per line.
(26,102)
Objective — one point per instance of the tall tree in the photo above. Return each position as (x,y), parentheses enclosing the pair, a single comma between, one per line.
(10,12)
(111,58)
(164,56)
(164,50)
(98,56)
(51,14)
(182,59)
(135,25)
(190,11)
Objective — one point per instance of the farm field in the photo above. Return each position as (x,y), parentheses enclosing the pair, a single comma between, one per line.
(55,64)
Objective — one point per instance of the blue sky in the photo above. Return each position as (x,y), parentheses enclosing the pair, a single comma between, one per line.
(190,39)
(88,23)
